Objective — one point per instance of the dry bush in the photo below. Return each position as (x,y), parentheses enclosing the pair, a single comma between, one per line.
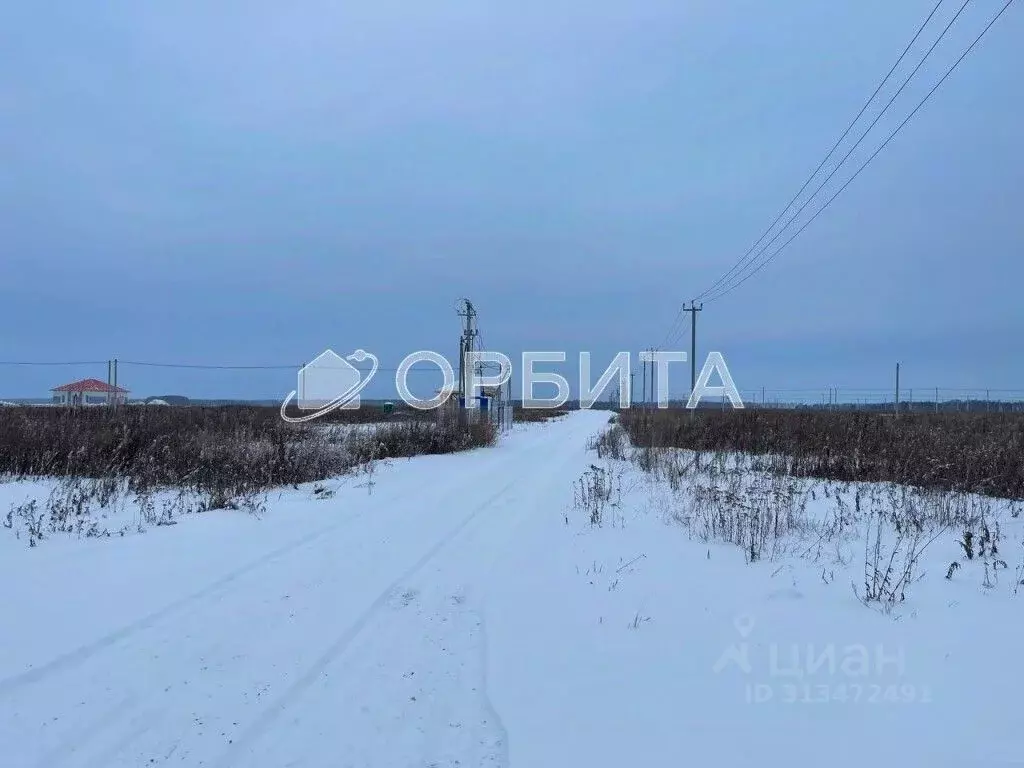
(367,413)
(966,452)
(537,414)
(756,501)
(223,453)
(417,438)
(754,511)
(598,490)
(611,444)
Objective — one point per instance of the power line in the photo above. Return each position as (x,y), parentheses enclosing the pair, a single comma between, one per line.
(77,362)
(825,159)
(197,366)
(906,81)
(736,284)
(293,366)
(676,328)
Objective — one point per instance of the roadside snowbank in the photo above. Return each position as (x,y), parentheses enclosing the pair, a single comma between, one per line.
(637,643)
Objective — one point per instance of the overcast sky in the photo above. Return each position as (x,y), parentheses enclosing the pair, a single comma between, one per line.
(252,182)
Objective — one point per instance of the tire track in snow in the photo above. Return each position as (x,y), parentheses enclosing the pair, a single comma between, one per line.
(481,541)
(84,652)
(555,466)
(85,733)
(139,725)
(262,723)
(559,471)
(498,758)
(481,733)
(81,654)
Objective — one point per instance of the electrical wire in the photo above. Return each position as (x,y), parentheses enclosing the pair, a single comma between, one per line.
(193,366)
(736,284)
(753,259)
(831,151)
(77,362)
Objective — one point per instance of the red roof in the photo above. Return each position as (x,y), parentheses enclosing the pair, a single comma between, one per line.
(89,385)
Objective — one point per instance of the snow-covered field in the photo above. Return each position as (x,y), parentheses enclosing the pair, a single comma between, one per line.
(462,610)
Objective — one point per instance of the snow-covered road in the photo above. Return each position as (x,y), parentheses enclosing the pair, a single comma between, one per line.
(458,611)
(338,632)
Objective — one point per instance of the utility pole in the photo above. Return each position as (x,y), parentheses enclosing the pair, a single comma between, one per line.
(897,388)
(651,399)
(643,379)
(115,383)
(466,343)
(693,309)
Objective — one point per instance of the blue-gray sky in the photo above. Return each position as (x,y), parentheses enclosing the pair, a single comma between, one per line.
(251,182)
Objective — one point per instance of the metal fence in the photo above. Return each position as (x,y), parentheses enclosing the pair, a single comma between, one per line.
(917,399)
(497,408)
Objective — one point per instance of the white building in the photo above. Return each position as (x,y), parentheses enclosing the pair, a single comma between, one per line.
(88,392)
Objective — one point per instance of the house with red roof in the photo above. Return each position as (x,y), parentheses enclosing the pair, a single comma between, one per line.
(88,392)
